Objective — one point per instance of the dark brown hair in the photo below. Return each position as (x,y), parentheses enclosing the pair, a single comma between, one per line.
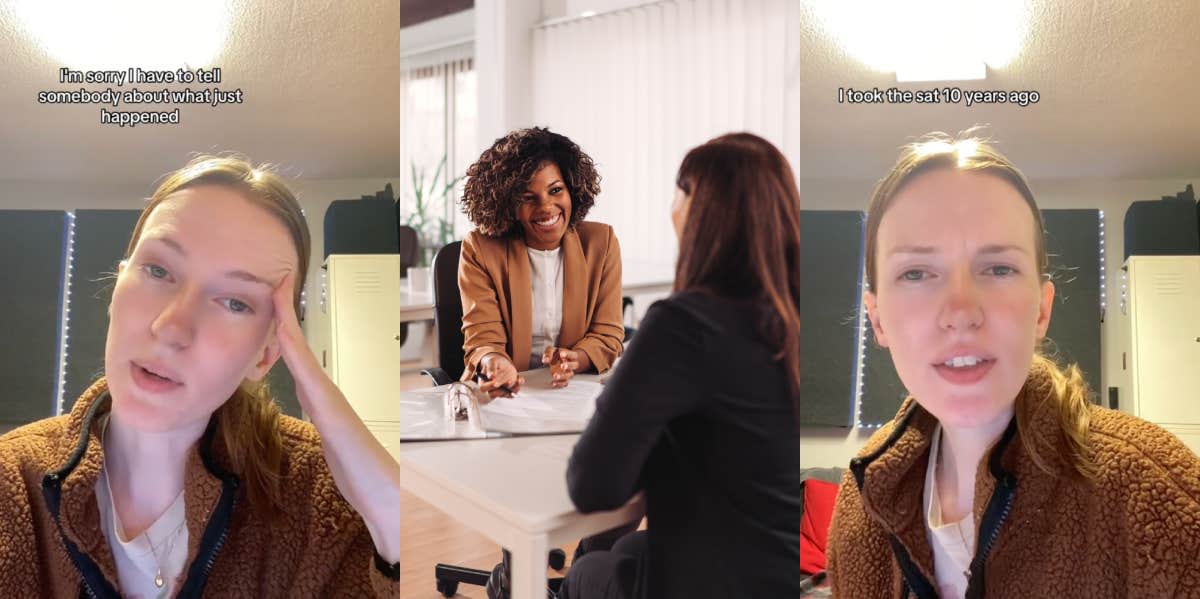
(937,151)
(248,423)
(496,182)
(742,236)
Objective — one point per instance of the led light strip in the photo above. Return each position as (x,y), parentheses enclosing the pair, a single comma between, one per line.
(860,364)
(860,370)
(1103,262)
(65,314)
(324,286)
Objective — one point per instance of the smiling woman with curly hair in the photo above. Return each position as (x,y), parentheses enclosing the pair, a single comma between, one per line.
(498,181)
(540,286)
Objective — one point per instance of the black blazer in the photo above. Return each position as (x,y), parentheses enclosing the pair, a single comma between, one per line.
(700,416)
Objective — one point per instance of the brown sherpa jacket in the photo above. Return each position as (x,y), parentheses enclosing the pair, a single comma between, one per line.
(51,544)
(1133,532)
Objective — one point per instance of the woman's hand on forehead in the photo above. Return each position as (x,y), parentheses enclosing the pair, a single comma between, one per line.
(287,323)
(366,475)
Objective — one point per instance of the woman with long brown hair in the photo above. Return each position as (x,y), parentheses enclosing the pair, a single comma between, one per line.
(998,477)
(175,474)
(701,413)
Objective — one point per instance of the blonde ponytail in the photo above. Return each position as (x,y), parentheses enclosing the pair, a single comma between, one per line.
(248,427)
(1070,396)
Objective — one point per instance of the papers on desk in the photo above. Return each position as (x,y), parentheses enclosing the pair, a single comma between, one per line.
(537,409)
(540,409)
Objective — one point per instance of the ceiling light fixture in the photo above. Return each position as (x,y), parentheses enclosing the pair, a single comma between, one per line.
(928,40)
(149,34)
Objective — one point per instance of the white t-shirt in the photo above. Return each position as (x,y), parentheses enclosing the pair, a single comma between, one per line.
(136,563)
(953,543)
(545,270)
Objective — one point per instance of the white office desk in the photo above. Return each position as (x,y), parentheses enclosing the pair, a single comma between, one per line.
(512,490)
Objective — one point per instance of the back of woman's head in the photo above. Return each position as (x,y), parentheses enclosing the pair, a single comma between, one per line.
(247,424)
(741,237)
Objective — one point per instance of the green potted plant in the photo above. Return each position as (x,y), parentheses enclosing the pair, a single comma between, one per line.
(432,217)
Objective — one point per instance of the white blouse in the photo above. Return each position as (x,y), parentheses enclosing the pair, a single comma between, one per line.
(545,267)
(953,543)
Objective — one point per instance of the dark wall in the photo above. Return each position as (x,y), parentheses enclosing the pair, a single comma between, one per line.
(34,244)
(830,259)
(32,248)
(100,240)
(1073,243)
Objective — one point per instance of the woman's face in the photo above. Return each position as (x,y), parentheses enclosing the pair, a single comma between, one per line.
(191,315)
(958,298)
(679,209)
(545,208)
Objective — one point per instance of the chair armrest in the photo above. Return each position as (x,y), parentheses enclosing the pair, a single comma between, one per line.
(438,375)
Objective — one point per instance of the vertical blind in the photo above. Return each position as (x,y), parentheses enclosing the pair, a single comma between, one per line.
(438,117)
(636,88)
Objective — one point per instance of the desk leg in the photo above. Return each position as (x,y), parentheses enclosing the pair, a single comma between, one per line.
(529,568)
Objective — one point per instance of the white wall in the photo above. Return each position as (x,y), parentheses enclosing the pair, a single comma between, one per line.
(829,446)
(438,41)
(504,65)
(436,32)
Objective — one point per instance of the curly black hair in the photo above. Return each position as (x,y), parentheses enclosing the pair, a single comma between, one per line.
(496,182)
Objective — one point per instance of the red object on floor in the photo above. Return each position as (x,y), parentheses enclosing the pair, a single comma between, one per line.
(819,499)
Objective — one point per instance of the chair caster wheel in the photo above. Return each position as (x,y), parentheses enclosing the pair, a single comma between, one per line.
(447,588)
(557,559)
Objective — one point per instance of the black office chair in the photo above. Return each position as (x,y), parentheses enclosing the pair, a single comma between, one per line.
(626,304)
(410,247)
(447,318)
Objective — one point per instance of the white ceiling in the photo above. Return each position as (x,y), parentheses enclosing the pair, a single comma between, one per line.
(320,80)
(1119,83)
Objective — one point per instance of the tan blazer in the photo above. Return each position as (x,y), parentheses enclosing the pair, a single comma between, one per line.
(494,279)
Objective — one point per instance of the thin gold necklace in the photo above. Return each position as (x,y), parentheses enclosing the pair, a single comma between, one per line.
(159,581)
(158,576)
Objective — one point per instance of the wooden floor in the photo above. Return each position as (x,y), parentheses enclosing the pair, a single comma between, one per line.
(429,537)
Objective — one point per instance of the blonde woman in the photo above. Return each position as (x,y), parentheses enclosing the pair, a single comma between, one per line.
(997,477)
(175,474)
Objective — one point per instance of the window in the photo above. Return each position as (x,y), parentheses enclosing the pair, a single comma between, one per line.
(438,116)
